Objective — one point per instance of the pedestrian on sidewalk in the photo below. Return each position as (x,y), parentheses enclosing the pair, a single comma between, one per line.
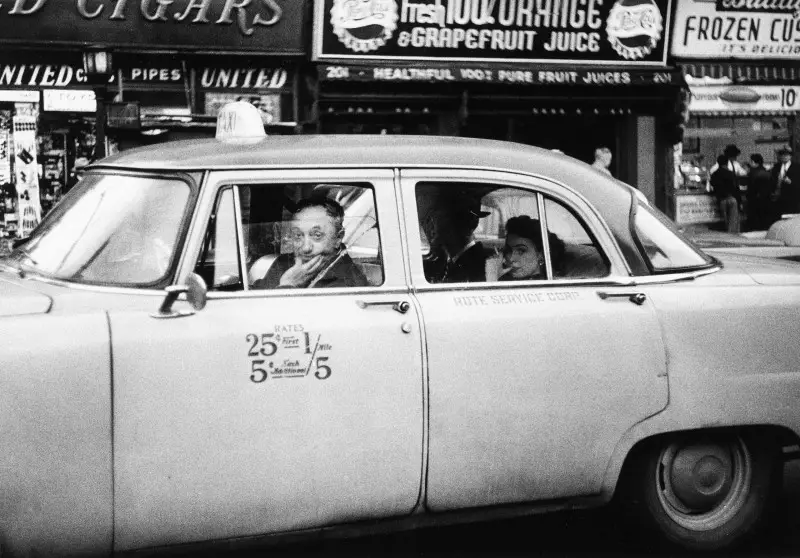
(786,178)
(759,194)
(602,159)
(726,189)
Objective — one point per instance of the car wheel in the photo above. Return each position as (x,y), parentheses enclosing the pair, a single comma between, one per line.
(710,492)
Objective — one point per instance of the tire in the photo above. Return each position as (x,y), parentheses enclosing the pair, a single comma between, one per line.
(709,492)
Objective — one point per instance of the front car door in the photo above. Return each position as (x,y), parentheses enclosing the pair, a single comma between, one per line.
(273,409)
(532,382)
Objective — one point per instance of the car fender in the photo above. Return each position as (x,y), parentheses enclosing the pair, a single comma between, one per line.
(720,373)
(55,435)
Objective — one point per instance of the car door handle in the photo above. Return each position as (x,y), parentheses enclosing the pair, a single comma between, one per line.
(401,306)
(636,298)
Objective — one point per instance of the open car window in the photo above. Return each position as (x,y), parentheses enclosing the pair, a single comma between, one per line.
(254,238)
(473,232)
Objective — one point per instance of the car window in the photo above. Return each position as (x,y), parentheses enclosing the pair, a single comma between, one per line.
(304,235)
(487,233)
(574,251)
(112,230)
(663,246)
(219,259)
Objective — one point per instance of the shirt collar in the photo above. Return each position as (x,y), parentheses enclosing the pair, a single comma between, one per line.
(469,245)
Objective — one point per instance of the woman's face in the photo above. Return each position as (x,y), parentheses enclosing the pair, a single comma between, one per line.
(521,255)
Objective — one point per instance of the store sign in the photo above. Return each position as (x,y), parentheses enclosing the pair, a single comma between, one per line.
(494,74)
(40,75)
(622,32)
(262,26)
(68,100)
(695,209)
(737,29)
(154,75)
(727,98)
(19,96)
(243,78)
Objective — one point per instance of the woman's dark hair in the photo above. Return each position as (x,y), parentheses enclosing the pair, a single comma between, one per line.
(526,227)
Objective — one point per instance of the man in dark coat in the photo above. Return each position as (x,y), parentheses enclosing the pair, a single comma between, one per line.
(456,257)
(726,188)
(786,178)
(320,258)
(759,194)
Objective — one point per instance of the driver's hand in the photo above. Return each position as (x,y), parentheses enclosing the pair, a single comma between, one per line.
(301,274)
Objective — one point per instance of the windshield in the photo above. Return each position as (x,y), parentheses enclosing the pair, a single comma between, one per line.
(110,230)
(664,247)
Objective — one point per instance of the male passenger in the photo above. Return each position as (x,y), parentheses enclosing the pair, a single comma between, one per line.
(319,257)
(456,257)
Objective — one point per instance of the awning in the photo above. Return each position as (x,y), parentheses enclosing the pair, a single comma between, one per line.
(744,100)
(698,73)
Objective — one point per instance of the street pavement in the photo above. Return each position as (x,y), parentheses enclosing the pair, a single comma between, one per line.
(594,533)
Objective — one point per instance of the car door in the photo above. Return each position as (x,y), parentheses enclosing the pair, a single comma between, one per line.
(271,410)
(532,382)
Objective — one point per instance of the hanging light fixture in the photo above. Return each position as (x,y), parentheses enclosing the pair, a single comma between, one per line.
(98,68)
(98,65)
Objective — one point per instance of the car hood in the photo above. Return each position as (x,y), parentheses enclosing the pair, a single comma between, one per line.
(18,300)
(765,271)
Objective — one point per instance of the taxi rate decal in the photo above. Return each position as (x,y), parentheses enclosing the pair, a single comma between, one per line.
(283,353)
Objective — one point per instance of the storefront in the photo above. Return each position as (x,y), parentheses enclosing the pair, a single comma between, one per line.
(744,91)
(580,76)
(174,65)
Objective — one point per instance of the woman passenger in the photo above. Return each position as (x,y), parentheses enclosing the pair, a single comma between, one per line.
(523,254)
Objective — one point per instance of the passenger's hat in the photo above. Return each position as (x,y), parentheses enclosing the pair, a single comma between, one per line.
(467,204)
(785,150)
(731,150)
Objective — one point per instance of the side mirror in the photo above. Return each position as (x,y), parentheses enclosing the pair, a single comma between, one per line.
(196,294)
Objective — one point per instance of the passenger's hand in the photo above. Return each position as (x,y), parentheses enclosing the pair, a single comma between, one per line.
(301,274)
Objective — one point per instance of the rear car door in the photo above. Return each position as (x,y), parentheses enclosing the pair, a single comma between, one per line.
(532,382)
(271,409)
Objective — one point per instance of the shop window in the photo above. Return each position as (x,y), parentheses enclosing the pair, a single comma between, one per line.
(294,235)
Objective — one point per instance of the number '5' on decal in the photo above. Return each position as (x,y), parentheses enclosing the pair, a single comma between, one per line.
(323,372)
(258,374)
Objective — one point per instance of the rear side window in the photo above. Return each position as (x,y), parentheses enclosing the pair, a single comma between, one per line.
(663,247)
(578,254)
(485,233)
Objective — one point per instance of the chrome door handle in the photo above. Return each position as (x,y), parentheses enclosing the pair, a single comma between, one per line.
(636,298)
(401,306)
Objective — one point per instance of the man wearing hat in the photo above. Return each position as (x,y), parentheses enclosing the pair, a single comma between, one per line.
(456,257)
(786,178)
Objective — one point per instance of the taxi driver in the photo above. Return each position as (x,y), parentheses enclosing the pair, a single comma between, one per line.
(319,256)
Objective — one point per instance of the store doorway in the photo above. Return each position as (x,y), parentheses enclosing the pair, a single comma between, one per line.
(575,135)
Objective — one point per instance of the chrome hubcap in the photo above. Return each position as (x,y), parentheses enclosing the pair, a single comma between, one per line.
(703,484)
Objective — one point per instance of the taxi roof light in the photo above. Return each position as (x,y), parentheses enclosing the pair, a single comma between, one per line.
(240,122)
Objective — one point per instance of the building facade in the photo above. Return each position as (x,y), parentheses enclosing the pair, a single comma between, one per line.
(173,65)
(571,76)
(740,61)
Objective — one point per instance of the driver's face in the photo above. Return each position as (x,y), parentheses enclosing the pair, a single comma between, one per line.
(314,233)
